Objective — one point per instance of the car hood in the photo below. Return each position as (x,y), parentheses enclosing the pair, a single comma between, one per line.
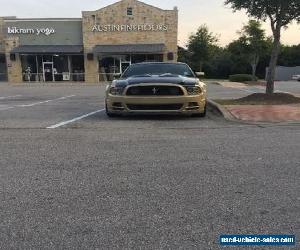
(185,81)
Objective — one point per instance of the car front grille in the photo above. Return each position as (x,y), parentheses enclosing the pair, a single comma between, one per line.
(154,91)
(155,107)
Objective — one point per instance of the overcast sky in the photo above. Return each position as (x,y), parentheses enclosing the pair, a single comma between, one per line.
(192,13)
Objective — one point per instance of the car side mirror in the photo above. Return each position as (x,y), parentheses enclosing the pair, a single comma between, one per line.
(200,74)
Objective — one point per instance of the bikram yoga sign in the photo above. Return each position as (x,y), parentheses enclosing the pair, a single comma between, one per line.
(30,31)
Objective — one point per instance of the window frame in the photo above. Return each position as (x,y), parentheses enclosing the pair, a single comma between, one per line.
(129,11)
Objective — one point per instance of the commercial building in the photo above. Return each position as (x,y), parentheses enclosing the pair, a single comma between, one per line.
(93,48)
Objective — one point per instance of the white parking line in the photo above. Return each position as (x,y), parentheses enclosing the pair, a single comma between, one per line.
(75,119)
(37,103)
(5,107)
(8,97)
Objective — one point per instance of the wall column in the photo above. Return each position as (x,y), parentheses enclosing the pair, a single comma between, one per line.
(14,67)
(91,70)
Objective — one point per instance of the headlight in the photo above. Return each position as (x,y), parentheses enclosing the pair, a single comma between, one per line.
(116,90)
(193,90)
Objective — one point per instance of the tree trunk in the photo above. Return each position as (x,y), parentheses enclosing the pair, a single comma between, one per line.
(201,66)
(273,61)
(254,66)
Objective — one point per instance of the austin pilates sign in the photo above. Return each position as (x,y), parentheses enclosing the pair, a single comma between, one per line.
(30,31)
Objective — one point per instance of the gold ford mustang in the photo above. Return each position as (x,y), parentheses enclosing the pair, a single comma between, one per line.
(156,88)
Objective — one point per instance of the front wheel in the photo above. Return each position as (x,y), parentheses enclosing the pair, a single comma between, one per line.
(203,114)
(109,114)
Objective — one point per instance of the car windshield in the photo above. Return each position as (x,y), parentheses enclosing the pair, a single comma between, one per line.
(161,69)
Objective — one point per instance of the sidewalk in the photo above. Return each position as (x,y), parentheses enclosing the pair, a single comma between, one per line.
(266,113)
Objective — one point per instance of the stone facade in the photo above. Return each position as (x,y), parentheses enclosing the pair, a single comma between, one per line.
(136,23)
(2,47)
(116,14)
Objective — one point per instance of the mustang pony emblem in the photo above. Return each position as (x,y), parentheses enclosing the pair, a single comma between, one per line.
(154,91)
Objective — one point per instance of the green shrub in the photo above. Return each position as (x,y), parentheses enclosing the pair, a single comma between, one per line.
(241,78)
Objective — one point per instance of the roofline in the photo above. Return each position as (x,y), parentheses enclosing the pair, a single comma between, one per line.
(42,19)
(110,5)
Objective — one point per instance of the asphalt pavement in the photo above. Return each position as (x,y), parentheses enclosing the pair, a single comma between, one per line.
(73,179)
(216,91)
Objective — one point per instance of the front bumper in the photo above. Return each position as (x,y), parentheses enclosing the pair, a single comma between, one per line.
(162,104)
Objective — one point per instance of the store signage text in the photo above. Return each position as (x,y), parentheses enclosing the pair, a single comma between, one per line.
(129,28)
(30,31)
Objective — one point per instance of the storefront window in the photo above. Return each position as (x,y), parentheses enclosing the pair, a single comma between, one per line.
(29,67)
(3,71)
(53,67)
(108,67)
(111,65)
(61,67)
(77,68)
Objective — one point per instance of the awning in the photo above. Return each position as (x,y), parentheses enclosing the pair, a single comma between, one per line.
(49,49)
(130,48)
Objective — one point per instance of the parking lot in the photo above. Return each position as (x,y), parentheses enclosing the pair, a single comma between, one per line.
(69,106)
(73,178)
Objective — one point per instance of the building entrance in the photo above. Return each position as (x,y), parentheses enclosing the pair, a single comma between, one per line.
(48,72)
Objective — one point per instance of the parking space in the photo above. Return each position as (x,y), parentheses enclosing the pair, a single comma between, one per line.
(43,106)
(56,107)
(82,106)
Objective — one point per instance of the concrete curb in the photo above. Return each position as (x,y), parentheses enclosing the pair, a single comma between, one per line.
(223,111)
(229,117)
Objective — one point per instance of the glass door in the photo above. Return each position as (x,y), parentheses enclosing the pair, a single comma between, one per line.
(125,62)
(48,72)
(124,66)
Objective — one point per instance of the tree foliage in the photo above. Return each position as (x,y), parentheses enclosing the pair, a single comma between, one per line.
(254,44)
(280,13)
(202,45)
(235,57)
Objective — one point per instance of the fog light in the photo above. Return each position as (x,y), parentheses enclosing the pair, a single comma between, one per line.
(117,104)
(193,104)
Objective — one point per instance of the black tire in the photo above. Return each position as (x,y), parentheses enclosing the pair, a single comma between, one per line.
(109,114)
(201,114)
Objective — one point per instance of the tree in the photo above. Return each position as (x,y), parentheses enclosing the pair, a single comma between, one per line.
(202,45)
(290,56)
(255,43)
(280,13)
(184,55)
(239,54)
